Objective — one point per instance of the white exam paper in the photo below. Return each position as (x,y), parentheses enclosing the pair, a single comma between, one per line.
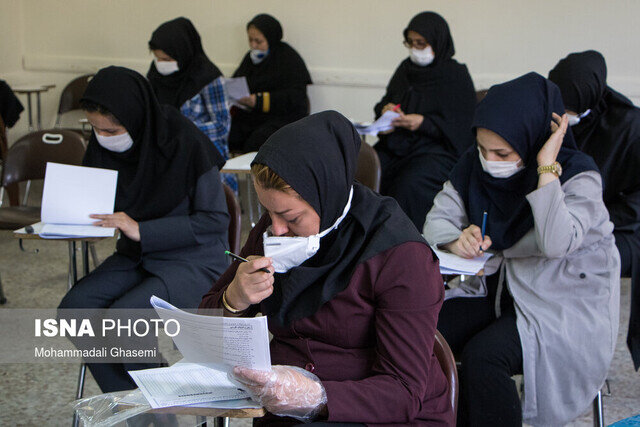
(185,384)
(381,125)
(236,87)
(71,194)
(219,341)
(453,264)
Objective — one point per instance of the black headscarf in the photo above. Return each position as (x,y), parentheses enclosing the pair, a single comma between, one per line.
(317,157)
(519,111)
(180,40)
(10,105)
(435,30)
(268,26)
(442,91)
(168,155)
(610,133)
(283,68)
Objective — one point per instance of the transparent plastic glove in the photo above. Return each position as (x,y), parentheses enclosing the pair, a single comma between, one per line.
(285,390)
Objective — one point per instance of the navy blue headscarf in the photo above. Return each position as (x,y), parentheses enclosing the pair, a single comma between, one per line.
(519,111)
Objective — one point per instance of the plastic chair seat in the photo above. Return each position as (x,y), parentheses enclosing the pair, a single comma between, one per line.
(14,217)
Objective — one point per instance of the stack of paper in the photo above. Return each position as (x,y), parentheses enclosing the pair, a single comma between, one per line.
(70,195)
(211,346)
(381,125)
(453,264)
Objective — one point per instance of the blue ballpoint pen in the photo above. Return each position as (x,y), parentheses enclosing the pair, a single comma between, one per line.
(484,226)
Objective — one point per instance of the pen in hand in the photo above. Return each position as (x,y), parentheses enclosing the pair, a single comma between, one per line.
(484,228)
(239,258)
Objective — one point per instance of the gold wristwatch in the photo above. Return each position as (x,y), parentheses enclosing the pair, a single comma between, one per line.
(554,168)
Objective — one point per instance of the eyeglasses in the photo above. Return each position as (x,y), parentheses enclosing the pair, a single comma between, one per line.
(418,44)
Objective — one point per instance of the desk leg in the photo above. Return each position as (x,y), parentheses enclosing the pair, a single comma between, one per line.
(29,111)
(221,422)
(73,279)
(39,110)
(73,268)
(250,200)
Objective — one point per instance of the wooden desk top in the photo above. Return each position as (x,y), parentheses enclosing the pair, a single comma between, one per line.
(210,412)
(21,233)
(33,88)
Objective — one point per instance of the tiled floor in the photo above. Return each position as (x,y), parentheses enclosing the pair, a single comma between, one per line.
(39,394)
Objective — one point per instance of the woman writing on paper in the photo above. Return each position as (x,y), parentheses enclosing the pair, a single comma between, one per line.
(277,77)
(182,75)
(550,311)
(353,292)
(606,125)
(170,206)
(435,97)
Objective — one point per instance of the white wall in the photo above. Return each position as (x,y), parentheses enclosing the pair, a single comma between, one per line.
(351,47)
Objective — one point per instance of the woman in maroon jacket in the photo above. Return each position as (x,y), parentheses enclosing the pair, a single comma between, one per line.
(352,294)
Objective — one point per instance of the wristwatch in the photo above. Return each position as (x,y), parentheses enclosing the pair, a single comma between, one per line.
(554,168)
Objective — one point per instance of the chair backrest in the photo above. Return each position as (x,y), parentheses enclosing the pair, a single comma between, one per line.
(448,363)
(368,171)
(480,94)
(71,94)
(235,219)
(4,145)
(27,158)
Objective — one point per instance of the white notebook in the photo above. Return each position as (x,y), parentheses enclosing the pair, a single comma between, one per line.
(71,194)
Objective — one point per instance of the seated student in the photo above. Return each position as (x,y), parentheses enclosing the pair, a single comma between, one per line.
(10,105)
(606,126)
(277,77)
(356,290)
(182,75)
(170,205)
(436,99)
(550,312)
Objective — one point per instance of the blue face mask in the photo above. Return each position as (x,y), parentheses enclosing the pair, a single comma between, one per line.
(257,55)
(574,120)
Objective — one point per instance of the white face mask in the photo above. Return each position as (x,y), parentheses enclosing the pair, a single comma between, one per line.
(166,67)
(575,119)
(116,143)
(257,55)
(500,169)
(289,252)
(422,57)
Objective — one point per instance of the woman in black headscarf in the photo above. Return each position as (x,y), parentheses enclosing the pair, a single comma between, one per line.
(182,75)
(607,127)
(342,255)
(10,105)
(435,96)
(548,304)
(170,206)
(277,77)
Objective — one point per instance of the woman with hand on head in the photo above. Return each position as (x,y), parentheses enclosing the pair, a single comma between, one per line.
(277,77)
(550,310)
(435,97)
(183,76)
(606,126)
(353,292)
(170,206)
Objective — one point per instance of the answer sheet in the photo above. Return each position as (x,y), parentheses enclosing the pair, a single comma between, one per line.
(381,125)
(185,384)
(219,341)
(236,87)
(453,264)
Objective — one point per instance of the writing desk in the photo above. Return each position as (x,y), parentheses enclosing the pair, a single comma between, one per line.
(241,165)
(28,90)
(72,276)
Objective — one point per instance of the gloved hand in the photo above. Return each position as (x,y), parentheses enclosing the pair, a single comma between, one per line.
(285,390)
